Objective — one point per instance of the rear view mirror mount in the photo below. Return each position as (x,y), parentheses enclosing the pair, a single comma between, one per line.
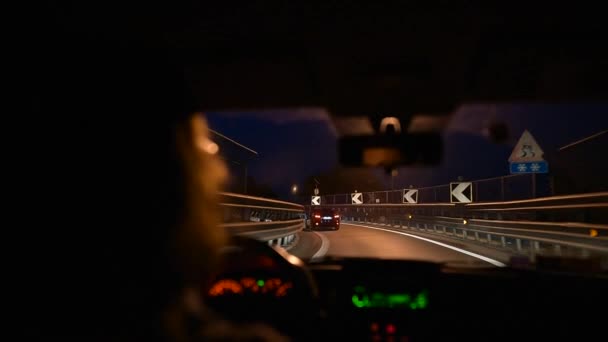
(391,150)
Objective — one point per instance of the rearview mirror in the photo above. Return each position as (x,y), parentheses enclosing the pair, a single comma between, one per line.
(391,150)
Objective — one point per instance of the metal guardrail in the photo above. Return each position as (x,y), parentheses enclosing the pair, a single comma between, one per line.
(585,208)
(517,227)
(525,240)
(504,188)
(588,208)
(276,222)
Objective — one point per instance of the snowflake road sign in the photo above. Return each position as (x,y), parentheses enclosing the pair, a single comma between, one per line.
(527,156)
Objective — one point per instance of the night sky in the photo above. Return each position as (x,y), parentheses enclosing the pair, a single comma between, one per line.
(287,155)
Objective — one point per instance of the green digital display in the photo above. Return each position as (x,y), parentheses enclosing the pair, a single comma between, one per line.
(362,298)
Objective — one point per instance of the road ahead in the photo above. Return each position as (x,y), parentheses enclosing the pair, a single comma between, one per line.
(357,241)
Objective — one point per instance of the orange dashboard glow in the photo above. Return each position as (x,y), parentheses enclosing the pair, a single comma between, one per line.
(271,285)
(249,285)
(282,291)
(224,287)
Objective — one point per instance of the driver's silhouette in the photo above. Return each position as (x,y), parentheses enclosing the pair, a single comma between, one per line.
(125,181)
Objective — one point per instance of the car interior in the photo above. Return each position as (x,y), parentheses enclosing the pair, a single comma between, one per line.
(375,299)
(390,76)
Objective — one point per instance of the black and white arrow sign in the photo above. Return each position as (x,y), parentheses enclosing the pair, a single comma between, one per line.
(461,192)
(410,196)
(316,200)
(356,197)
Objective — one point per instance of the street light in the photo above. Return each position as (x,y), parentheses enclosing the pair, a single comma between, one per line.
(294,192)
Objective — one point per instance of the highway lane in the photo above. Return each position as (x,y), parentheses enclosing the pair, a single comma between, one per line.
(357,241)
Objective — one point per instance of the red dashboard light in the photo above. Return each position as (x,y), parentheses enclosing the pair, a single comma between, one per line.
(390,329)
(266,262)
(225,287)
(374,327)
(283,289)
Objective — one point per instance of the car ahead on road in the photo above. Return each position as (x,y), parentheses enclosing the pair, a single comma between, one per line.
(325,218)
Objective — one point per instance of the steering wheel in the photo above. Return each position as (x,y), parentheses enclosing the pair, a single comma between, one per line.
(259,283)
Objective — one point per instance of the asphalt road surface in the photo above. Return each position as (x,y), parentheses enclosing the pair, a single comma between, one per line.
(376,242)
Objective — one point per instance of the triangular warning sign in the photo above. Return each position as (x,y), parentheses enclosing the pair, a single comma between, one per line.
(526,150)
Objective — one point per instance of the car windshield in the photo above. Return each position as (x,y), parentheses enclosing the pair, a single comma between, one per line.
(515,182)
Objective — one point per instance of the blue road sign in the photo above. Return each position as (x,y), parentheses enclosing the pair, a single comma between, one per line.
(530,167)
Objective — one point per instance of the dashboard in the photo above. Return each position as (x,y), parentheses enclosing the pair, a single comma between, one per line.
(360,299)
(259,283)
(377,300)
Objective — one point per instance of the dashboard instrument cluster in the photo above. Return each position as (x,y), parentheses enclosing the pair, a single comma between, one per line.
(265,283)
(250,286)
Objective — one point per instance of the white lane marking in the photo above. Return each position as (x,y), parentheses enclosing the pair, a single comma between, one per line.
(478,256)
(324,246)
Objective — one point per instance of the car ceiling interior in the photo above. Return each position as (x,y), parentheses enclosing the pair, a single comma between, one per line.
(397,59)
